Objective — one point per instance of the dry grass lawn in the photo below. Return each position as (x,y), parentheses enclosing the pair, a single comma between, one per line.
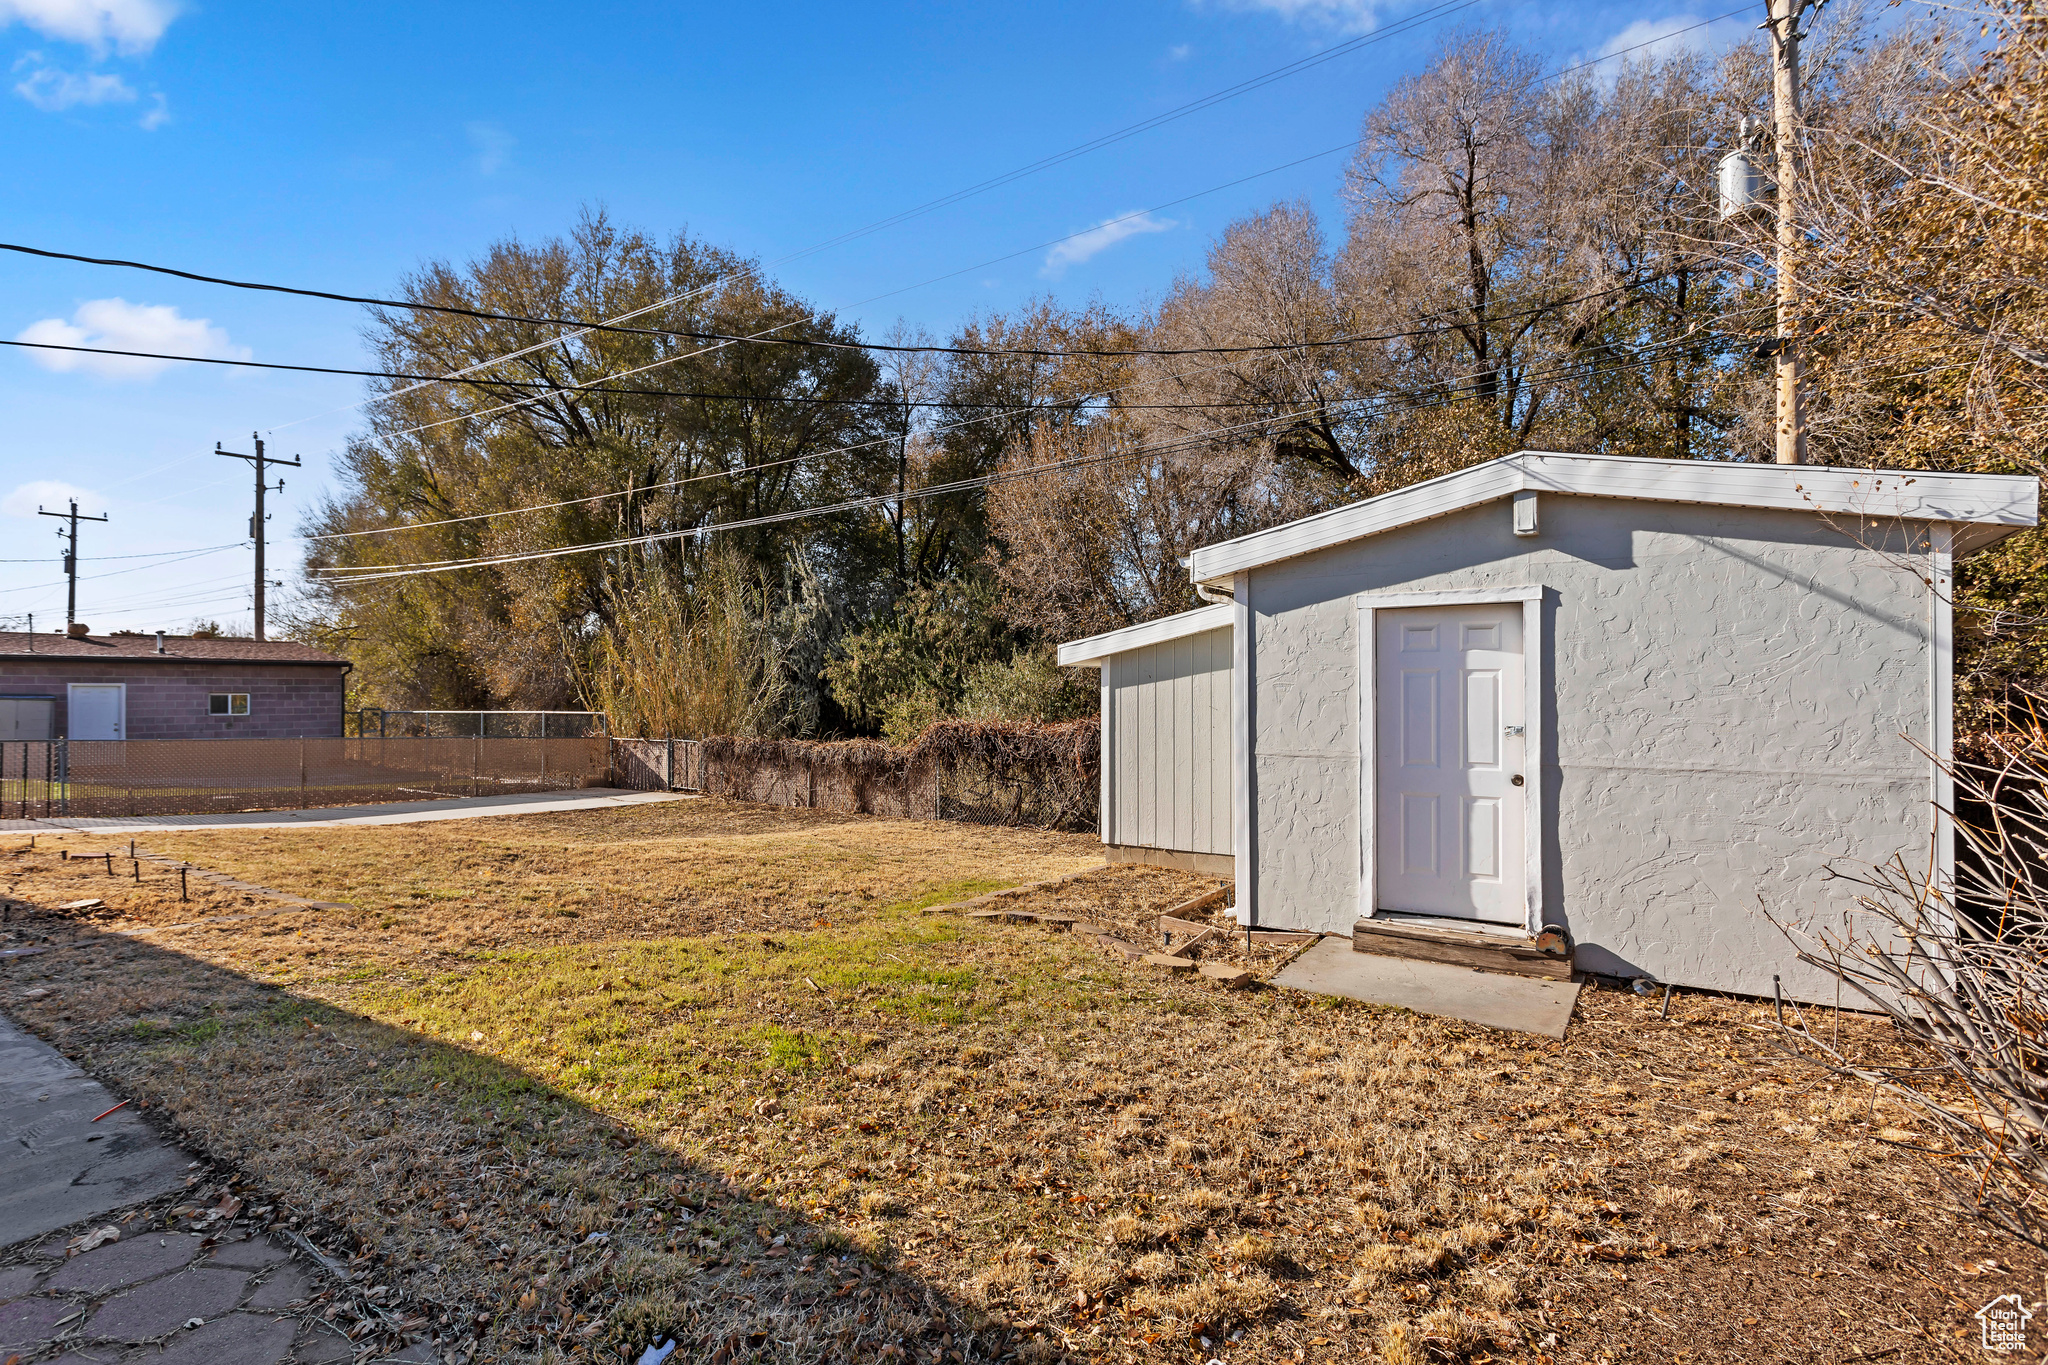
(564,1082)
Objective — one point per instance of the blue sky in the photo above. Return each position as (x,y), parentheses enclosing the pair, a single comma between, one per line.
(337,147)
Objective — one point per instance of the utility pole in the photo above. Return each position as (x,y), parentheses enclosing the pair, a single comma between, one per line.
(256,519)
(70,539)
(1785,37)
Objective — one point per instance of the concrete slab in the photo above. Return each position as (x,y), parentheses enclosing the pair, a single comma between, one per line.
(62,1167)
(251,1253)
(284,1287)
(26,1323)
(386,813)
(16,1280)
(128,1261)
(238,1339)
(162,1306)
(1523,1004)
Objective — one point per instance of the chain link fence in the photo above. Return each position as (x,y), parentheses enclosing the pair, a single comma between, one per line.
(376,722)
(83,778)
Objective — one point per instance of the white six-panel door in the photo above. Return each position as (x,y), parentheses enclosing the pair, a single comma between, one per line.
(1449,776)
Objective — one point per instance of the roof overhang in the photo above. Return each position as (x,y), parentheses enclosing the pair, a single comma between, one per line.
(162,660)
(1093,650)
(1984,507)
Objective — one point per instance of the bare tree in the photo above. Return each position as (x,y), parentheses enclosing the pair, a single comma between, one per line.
(1962,972)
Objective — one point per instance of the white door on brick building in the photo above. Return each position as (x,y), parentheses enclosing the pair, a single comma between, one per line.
(98,711)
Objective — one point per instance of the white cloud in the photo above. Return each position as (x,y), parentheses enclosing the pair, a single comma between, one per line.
(1180,52)
(117,324)
(1345,16)
(493,147)
(129,25)
(1658,39)
(158,115)
(26,498)
(52,90)
(1083,246)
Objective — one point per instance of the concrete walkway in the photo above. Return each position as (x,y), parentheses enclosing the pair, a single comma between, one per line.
(389,813)
(1524,1004)
(173,1285)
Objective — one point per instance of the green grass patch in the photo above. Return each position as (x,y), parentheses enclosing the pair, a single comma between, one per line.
(641,1021)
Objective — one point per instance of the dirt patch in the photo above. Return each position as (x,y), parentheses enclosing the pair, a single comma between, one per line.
(986,1140)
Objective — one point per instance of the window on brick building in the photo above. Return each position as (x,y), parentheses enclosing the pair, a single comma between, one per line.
(227,704)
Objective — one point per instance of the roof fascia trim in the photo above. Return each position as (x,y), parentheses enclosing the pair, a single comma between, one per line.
(1095,648)
(2008,502)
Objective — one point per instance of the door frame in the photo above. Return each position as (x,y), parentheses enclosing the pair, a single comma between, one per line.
(1535,754)
(71,690)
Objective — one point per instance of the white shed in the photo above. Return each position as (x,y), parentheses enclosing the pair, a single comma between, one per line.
(1633,699)
(1165,739)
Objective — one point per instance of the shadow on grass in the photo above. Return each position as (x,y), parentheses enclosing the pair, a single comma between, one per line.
(523,1222)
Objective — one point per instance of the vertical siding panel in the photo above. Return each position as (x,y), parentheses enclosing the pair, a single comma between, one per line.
(1141,757)
(1129,770)
(1167,749)
(1156,827)
(1216,747)
(1198,744)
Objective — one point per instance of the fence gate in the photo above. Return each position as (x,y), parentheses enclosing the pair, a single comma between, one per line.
(31,779)
(675,765)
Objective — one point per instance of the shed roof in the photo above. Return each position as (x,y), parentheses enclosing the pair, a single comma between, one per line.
(1093,650)
(141,649)
(1985,507)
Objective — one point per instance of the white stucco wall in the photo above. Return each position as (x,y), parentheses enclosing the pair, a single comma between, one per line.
(1167,724)
(1728,695)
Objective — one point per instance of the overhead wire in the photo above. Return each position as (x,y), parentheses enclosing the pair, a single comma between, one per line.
(1407,24)
(1457,389)
(1012,410)
(586,326)
(505,407)
(116,573)
(154,554)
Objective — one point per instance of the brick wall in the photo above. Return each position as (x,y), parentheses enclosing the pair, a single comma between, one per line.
(168,700)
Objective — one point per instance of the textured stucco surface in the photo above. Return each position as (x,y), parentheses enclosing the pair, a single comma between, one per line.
(1729,696)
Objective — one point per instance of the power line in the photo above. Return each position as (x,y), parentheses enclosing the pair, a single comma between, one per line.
(503,407)
(156,554)
(1438,394)
(372,573)
(1011,410)
(1354,339)
(1412,22)
(141,568)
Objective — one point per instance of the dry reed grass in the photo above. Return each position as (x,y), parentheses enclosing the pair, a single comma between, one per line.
(977,1140)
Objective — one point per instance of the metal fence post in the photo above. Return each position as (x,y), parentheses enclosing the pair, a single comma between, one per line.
(302,770)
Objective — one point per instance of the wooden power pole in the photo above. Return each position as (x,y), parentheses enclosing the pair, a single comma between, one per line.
(1785,37)
(256,520)
(70,562)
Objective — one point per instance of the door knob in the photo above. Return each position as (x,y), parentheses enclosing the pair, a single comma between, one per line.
(1516,780)
(1511,729)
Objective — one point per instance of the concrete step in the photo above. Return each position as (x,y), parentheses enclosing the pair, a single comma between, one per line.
(1513,954)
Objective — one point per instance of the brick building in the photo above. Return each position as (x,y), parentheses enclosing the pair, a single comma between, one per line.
(55,686)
